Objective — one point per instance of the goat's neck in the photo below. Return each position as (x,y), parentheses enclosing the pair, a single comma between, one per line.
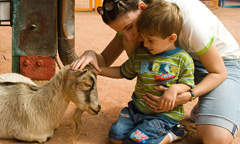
(53,103)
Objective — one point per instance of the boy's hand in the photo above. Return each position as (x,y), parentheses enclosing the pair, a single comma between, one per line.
(155,102)
(160,104)
(168,100)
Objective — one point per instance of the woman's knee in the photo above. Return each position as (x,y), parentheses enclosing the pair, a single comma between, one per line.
(211,134)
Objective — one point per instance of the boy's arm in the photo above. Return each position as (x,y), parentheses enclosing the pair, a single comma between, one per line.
(180,88)
(169,96)
(111,72)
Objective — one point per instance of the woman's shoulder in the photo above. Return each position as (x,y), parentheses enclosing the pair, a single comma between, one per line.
(191,7)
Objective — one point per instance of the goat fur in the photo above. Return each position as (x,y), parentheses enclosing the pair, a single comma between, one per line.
(29,112)
(15,78)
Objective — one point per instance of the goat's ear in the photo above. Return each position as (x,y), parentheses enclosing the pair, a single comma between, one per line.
(70,79)
(77,73)
(72,76)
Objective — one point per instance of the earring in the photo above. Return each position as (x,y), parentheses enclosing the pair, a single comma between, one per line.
(142,5)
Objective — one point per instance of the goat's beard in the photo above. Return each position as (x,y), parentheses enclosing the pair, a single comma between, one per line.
(77,122)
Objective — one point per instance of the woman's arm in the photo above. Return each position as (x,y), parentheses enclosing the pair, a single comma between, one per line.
(112,51)
(108,55)
(213,63)
(106,58)
(119,44)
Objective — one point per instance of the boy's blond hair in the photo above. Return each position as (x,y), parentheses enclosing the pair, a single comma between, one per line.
(160,18)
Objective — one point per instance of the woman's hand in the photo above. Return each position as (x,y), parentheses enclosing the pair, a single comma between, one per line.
(88,57)
(155,101)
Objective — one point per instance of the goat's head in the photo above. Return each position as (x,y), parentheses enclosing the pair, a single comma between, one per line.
(82,86)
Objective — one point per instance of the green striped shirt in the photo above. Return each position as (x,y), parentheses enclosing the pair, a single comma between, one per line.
(167,68)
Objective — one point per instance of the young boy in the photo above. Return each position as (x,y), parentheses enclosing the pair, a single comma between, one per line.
(158,62)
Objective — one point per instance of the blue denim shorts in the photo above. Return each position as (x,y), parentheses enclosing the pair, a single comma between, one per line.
(221,106)
(134,127)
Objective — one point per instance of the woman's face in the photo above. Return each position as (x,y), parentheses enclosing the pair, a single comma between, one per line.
(126,24)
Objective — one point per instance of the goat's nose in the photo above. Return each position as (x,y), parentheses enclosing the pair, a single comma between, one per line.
(99,107)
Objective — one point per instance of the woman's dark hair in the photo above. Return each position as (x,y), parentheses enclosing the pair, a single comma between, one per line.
(120,8)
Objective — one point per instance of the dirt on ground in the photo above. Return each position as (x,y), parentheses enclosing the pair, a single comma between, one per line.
(114,94)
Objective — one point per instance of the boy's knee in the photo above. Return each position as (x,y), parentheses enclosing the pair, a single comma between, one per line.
(119,131)
(115,130)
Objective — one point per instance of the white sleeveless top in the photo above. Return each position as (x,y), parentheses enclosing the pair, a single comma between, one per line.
(201,28)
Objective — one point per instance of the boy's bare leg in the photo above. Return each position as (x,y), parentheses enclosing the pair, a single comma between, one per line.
(166,140)
(116,142)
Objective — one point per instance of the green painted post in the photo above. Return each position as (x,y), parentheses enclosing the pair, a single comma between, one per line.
(34,29)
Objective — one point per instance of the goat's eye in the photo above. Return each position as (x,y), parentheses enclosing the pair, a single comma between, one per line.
(88,85)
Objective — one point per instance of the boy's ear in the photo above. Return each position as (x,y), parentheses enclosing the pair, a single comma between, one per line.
(173,37)
(142,5)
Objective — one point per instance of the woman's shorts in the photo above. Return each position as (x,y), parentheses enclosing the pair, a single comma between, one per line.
(221,106)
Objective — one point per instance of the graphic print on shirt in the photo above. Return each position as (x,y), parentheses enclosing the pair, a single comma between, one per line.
(161,72)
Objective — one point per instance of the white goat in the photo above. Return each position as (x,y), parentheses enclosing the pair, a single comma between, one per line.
(31,113)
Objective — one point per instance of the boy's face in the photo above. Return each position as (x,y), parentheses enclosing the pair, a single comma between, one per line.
(156,44)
